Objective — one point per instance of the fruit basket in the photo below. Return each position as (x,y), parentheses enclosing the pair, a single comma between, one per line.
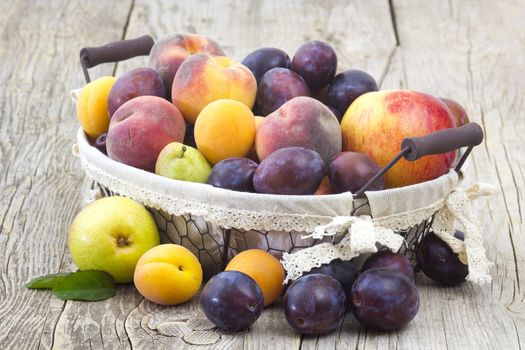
(304,231)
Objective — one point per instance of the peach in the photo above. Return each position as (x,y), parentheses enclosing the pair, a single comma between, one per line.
(377,122)
(202,79)
(92,106)
(141,128)
(168,274)
(302,122)
(225,129)
(171,50)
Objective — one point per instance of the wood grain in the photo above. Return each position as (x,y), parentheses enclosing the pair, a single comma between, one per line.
(470,51)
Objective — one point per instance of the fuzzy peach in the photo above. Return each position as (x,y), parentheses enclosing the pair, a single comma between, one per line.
(171,50)
(377,122)
(92,106)
(141,128)
(202,79)
(302,122)
(168,274)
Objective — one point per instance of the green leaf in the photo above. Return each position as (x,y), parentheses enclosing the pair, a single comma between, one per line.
(46,281)
(85,285)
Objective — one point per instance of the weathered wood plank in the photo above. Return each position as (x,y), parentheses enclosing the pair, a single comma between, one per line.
(39,179)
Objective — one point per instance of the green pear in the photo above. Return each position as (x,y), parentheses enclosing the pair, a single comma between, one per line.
(182,162)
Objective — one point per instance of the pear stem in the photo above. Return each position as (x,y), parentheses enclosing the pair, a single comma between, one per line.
(183,151)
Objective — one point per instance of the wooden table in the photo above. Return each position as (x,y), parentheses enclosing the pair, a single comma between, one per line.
(472,51)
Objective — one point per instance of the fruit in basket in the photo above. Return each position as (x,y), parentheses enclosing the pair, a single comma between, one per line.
(234,174)
(168,274)
(225,129)
(100,143)
(350,171)
(315,304)
(168,53)
(384,299)
(337,114)
(458,112)
(347,87)
(387,258)
(343,271)
(262,60)
(141,128)
(202,79)
(325,187)
(137,82)
(377,122)
(303,122)
(316,62)
(439,262)
(264,268)
(291,171)
(253,152)
(180,162)
(278,86)
(232,300)
(111,234)
(92,106)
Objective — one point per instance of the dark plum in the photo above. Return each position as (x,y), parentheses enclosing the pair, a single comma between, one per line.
(439,262)
(384,299)
(343,271)
(337,114)
(262,60)
(347,86)
(136,82)
(232,300)
(458,112)
(289,170)
(234,174)
(315,304)
(350,171)
(316,62)
(189,136)
(386,258)
(100,143)
(277,86)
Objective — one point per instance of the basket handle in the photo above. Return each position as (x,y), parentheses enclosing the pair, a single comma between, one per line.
(468,135)
(113,52)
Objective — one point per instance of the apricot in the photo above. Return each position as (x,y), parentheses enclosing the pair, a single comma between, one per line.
(202,79)
(92,106)
(168,274)
(225,129)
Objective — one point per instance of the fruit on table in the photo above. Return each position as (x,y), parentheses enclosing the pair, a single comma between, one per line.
(225,129)
(141,128)
(344,272)
(168,53)
(181,162)
(325,187)
(350,171)
(439,262)
(202,79)
(264,268)
(377,122)
(458,112)
(277,86)
(347,87)
(384,299)
(100,143)
(262,60)
(303,122)
(315,304)
(316,62)
(111,234)
(232,300)
(168,274)
(387,258)
(136,82)
(234,174)
(290,170)
(92,106)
